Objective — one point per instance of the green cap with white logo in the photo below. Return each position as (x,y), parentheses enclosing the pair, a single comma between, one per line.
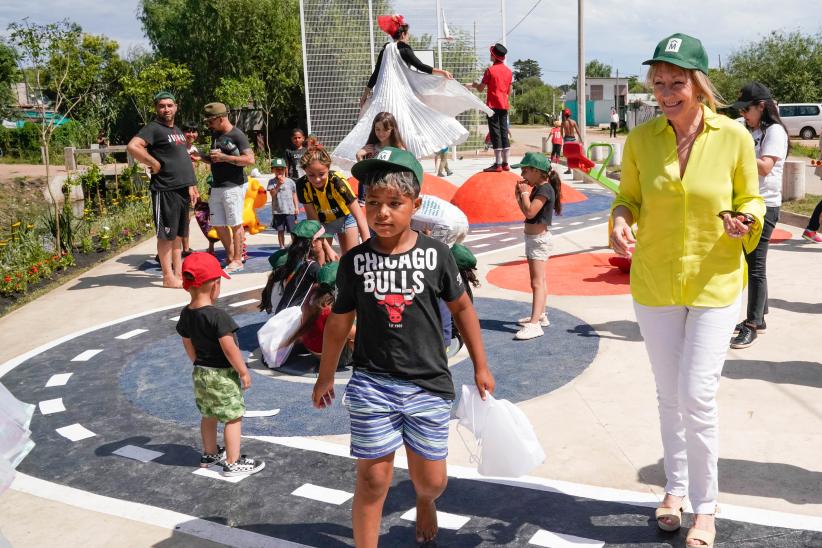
(681,50)
(534,160)
(278,162)
(389,159)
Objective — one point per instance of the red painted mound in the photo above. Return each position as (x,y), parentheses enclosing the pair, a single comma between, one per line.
(778,236)
(431,185)
(489,197)
(580,274)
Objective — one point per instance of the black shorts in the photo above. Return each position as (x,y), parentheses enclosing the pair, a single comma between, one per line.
(498,128)
(170,211)
(283,221)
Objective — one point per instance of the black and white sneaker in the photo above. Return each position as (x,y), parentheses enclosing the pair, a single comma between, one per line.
(243,467)
(215,458)
(745,338)
(760,329)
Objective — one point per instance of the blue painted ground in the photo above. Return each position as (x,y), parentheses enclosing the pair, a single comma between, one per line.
(153,379)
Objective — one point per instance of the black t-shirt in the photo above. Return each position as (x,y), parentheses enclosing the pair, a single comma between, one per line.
(399,329)
(546,214)
(168,146)
(298,285)
(233,143)
(407,54)
(204,326)
(293,156)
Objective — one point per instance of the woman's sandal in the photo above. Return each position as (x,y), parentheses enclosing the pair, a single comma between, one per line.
(674,514)
(698,534)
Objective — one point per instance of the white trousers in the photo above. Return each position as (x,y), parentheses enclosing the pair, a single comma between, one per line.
(687,348)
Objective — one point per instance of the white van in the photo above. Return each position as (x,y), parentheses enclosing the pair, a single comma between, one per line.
(802,119)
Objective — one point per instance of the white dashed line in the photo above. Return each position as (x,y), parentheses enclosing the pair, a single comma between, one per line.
(444,519)
(322,494)
(47,407)
(75,432)
(243,303)
(137,453)
(174,319)
(130,334)
(213,472)
(480,245)
(262,413)
(558,540)
(482,230)
(507,239)
(87,355)
(595,218)
(58,380)
(472,237)
(576,223)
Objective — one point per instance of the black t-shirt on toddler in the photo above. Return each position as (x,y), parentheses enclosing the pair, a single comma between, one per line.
(204,326)
(399,329)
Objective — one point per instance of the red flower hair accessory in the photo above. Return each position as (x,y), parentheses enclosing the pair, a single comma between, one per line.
(390,24)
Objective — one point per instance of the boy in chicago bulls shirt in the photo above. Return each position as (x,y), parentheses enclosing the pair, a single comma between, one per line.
(401,390)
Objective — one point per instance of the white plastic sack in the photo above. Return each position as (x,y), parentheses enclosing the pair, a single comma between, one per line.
(15,443)
(277,330)
(507,444)
(447,222)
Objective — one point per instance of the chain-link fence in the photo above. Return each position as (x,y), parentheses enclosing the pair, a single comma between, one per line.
(341,41)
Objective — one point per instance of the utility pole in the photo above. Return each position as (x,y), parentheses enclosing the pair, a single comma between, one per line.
(439,35)
(581,70)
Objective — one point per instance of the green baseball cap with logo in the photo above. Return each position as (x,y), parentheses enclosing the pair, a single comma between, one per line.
(463,257)
(389,159)
(536,161)
(681,50)
(213,110)
(278,162)
(327,275)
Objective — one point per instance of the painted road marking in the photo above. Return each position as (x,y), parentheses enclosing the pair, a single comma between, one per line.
(243,303)
(75,432)
(130,334)
(507,239)
(480,245)
(576,223)
(444,519)
(262,413)
(47,407)
(322,494)
(214,472)
(58,380)
(595,218)
(471,237)
(86,355)
(174,319)
(137,453)
(559,540)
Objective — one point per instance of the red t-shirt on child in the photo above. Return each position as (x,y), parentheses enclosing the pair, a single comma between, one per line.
(556,135)
(313,338)
(498,78)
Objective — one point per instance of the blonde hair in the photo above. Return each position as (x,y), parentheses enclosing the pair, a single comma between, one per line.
(706,91)
(315,154)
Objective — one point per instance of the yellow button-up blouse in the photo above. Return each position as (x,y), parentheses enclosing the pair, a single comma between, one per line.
(683,256)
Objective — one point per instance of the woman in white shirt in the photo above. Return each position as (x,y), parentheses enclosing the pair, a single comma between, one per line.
(771,145)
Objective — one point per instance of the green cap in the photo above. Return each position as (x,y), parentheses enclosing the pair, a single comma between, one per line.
(389,159)
(681,50)
(278,258)
(463,257)
(535,160)
(212,110)
(278,162)
(327,275)
(164,95)
(308,229)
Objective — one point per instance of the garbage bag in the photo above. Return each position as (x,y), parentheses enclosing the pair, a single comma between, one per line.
(275,333)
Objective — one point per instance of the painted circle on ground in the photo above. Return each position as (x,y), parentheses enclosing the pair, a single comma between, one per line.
(778,236)
(576,274)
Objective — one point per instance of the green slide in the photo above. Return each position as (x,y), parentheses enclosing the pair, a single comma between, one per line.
(598,172)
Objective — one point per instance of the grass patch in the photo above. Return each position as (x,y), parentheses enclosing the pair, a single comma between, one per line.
(804,206)
(797,149)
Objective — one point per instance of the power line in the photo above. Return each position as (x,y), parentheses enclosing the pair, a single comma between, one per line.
(538,2)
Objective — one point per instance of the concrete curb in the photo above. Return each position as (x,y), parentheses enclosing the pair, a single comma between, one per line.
(793,219)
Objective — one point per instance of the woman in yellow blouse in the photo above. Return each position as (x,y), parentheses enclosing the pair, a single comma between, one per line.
(689,182)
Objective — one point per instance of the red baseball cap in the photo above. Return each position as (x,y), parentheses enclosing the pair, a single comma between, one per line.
(199,268)
(566,112)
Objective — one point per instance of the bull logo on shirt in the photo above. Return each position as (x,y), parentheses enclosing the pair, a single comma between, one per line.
(395,304)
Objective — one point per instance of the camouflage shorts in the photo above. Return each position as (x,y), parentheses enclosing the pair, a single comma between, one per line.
(218,393)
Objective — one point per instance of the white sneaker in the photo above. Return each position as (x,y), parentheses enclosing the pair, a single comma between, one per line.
(543,320)
(529,331)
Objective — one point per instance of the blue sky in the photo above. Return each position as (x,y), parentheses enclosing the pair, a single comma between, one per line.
(621,33)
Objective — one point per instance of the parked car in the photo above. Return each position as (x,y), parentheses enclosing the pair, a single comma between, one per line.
(802,119)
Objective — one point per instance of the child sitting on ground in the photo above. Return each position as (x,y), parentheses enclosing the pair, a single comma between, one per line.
(401,390)
(294,270)
(220,374)
(467,265)
(284,206)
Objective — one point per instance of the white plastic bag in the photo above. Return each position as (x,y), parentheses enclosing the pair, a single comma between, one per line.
(447,222)
(277,330)
(507,444)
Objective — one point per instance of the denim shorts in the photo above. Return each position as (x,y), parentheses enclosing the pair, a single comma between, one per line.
(387,412)
(339,225)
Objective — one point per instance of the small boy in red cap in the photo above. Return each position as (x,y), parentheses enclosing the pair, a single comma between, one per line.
(220,374)
(497,79)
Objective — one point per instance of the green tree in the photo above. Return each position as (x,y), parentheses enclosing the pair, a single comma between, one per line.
(9,75)
(597,69)
(527,68)
(535,99)
(159,75)
(790,64)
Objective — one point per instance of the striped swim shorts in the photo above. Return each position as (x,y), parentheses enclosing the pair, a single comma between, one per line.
(387,412)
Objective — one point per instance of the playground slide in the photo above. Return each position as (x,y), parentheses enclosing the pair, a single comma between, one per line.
(598,171)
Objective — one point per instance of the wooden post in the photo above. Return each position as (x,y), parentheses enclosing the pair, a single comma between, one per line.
(96,158)
(793,180)
(68,158)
